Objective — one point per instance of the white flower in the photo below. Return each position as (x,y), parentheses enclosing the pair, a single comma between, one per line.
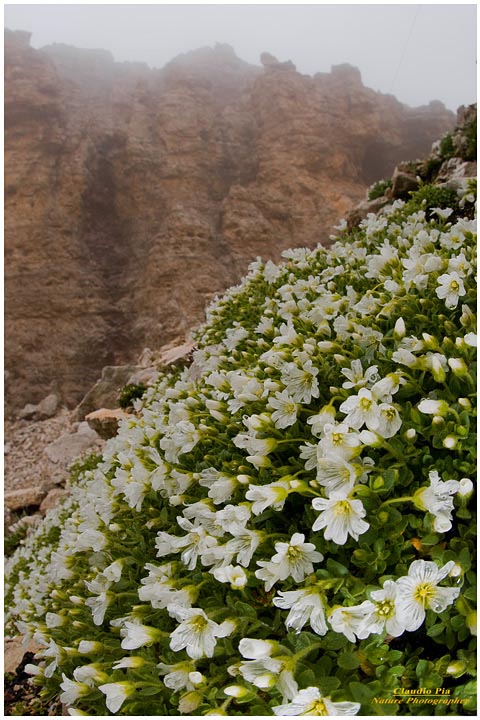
(179,676)
(339,439)
(232,574)
(437,499)
(443,213)
(310,701)
(285,409)
(99,605)
(295,558)
(360,409)
(340,517)
(72,690)
(244,546)
(264,496)
(136,635)
(389,421)
(253,649)
(116,694)
(349,620)
(418,591)
(301,383)
(357,378)
(326,416)
(336,474)
(306,606)
(450,288)
(196,633)
(382,613)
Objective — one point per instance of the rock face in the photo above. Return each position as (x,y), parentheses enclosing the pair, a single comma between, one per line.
(134,195)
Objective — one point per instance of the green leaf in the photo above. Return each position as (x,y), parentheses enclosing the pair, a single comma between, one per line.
(348,661)
(361,693)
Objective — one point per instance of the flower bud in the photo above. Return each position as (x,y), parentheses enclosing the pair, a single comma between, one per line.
(456,668)
(433,407)
(471,620)
(410,434)
(88,647)
(399,330)
(450,442)
(236,691)
(190,702)
(458,366)
(466,487)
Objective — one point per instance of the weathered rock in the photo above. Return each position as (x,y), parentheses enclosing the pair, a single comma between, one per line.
(144,376)
(355,216)
(67,448)
(14,651)
(26,497)
(177,354)
(105,421)
(154,189)
(45,409)
(52,499)
(106,390)
(403,183)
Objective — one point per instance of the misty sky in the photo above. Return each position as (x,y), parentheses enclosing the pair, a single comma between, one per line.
(416,52)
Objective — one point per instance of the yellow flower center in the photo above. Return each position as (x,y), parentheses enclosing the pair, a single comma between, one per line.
(294,553)
(342,508)
(337,438)
(385,608)
(365,403)
(389,413)
(424,593)
(199,623)
(318,708)
(454,286)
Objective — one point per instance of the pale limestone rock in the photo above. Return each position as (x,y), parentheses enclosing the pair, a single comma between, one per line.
(25,497)
(14,651)
(52,499)
(67,448)
(119,244)
(105,421)
(45,409)
(106,390)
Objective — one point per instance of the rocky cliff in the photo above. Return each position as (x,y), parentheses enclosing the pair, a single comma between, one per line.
(133,195)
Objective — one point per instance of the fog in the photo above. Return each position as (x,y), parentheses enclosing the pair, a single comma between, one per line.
(416,52)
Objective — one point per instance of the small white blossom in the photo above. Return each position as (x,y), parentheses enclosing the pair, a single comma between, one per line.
(450,288)
(285,409)
(306,606)
(437,499)
(116,693)
(340,516)
(418,592)
(311,702)
(197,634)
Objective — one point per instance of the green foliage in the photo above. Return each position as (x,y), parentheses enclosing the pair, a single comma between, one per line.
(447,149)
(13,539)
(469,152)
(82,465)
(129,393)
(379,189)
(430,196)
